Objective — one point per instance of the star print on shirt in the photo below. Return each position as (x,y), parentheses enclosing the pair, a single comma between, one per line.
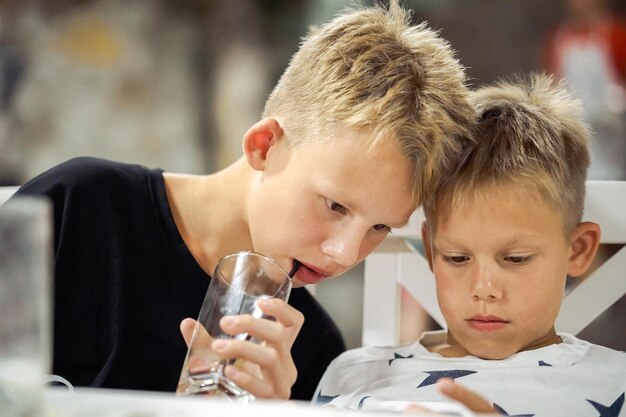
(611,411)
(397,356)
(434,376)
(500,410)
(325,399)
(542,363)
(362,401)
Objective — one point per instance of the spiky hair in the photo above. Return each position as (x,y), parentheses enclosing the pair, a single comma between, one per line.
(371,70)
(530,133)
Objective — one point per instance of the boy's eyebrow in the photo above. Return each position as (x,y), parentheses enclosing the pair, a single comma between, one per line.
(439,239)
(347,202)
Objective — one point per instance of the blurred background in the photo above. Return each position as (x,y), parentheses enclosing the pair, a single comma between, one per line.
(175,83)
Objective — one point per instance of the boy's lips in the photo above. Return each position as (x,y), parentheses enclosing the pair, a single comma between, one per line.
(310,274)
(486,322)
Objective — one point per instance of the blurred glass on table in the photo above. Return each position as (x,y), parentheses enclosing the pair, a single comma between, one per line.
(25,310)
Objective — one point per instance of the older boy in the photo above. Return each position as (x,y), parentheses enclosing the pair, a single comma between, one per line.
(501,236)
(366,115)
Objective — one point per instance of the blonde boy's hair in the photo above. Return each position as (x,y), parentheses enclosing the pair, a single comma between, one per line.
(529,133)
(371,71)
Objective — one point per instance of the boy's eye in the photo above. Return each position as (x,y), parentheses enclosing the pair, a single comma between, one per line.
(382,228)
(518,260)
(334,206)
(456,260)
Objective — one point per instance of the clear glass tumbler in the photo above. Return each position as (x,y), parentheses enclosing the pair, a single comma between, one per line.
(240,280)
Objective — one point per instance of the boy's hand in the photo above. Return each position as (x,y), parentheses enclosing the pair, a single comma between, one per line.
(472,401)
(468,398)
(275,372)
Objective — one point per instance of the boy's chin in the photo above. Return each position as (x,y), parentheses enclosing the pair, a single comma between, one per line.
(489,351)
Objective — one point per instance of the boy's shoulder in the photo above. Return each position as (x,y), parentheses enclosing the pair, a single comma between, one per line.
(601,354)
(86,168)
(87,174)
(368,355)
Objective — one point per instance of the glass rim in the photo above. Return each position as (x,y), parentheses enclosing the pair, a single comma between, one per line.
(249,252)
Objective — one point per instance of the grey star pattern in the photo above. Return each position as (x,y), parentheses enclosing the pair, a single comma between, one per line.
(611,411)
(434,376)
(325,399)
(397,356)
(360,406)
(501,410)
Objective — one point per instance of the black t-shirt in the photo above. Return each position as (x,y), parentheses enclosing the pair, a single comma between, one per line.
(124,280)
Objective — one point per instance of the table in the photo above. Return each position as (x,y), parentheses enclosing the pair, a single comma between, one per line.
(98,402)
(92,402)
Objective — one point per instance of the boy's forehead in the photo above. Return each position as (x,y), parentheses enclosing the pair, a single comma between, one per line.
(507,201)
(376,179)
(465,193)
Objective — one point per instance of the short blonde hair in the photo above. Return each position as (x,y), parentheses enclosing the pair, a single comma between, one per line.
(529,133)
(370,70)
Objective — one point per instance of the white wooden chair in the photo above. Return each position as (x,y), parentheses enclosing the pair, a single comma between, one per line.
(396,263)
(6,192)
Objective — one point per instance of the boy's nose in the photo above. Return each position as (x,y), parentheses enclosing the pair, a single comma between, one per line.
(343,248)
(485,285)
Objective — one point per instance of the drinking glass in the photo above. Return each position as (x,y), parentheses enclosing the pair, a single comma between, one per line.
(240,280)
(25,310)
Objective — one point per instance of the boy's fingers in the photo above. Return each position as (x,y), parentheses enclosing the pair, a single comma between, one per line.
(260,371)
(203,339)
(282,332)
(262,329)
(289,317)
(262,355)
(261,388)
(267,369)
(470,399)
(186,329)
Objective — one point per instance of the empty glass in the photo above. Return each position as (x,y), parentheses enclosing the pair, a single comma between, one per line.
(240,280)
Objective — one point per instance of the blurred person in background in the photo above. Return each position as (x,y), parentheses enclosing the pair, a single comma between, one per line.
(589,49)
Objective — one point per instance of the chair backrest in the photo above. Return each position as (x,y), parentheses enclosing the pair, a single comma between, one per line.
(6,192)
(397,263)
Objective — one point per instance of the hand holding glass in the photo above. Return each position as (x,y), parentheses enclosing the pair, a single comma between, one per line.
(240,280)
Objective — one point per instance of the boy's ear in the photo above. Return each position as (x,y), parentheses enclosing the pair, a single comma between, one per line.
(585,241)
(427,248)
(258,140)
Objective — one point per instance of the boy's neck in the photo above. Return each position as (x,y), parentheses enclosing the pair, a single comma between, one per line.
(210,212)
(453,349)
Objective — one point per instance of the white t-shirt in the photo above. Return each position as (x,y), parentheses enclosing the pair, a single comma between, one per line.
(572,378)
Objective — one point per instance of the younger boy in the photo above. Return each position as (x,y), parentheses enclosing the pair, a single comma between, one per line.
(501,236)
(367,114)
